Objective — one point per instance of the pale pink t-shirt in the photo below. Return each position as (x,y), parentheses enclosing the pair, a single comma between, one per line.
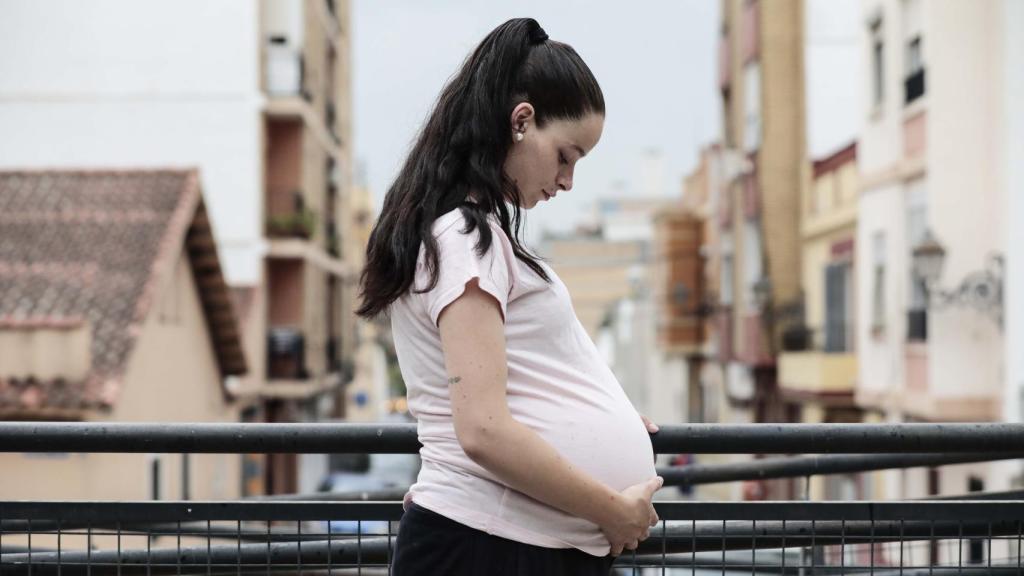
(558,385)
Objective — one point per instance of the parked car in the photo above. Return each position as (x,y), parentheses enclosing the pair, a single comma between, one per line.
(366,477)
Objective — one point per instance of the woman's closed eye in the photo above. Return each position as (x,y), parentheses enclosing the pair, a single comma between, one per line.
(561,159)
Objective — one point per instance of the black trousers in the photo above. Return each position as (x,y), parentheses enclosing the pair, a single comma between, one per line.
(431,545)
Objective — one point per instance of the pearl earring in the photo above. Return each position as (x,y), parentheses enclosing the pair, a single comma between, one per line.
(519,136)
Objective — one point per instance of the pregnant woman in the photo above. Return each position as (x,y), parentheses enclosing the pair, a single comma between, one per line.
(534,460)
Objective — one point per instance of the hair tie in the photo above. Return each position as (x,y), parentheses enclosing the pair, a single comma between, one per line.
(538,35)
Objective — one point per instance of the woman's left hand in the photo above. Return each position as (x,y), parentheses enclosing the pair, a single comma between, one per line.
(651,426)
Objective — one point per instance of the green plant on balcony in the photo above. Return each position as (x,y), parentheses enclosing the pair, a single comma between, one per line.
(300,224)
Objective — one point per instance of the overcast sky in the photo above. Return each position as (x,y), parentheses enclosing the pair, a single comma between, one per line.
(656,62)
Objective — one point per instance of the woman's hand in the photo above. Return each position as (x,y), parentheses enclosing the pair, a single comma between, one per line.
(651,426)
(633,516)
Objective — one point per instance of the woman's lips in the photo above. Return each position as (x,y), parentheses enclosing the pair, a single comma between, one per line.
(547,196)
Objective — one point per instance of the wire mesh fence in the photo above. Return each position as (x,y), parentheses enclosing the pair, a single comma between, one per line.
(222,538)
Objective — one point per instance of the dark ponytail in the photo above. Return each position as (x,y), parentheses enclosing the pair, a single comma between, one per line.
(458,159)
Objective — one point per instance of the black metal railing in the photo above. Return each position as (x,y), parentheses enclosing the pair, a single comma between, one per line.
(321,534)
(124,538)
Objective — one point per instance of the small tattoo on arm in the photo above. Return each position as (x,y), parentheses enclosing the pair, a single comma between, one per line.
(454,380)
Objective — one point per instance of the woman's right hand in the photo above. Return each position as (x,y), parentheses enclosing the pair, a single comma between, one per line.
(633,516)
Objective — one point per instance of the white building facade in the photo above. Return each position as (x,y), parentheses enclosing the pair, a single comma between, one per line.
(932,157)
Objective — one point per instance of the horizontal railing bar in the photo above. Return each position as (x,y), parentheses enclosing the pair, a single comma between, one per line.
(998,495)
(324,438)
(207,438)
(109,528)
(950,510)
(801,466)
(369,550)
(704,536)
(107,513)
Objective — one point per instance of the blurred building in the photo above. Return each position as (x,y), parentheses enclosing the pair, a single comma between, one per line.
(368,397)
(818,365)
(763,121)
(607,267)
(255,95)
(932,175)
(761,83)
(1013,138)
(605,259)
(113,308)
(686,288)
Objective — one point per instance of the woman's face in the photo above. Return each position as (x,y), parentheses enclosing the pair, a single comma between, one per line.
(541,164)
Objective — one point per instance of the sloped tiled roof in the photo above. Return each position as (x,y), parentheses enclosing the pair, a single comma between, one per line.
(92,247)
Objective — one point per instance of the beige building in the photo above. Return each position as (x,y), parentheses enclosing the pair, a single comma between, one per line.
(301,319)
(607,258)
(818,365)
(757,244)
(761,85)
(113,308)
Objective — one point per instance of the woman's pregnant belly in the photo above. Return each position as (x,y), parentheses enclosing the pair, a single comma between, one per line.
(600,434)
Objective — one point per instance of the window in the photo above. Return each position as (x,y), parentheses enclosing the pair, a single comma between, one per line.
(837,294)
(913,82)
(753,266)
(752,107)
(727,112)
(917,224)
(725,291)
(878,278)
(877,63)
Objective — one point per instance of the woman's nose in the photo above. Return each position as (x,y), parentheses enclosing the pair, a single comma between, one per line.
(565,182)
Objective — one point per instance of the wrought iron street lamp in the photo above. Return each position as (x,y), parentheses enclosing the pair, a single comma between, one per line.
(981,289)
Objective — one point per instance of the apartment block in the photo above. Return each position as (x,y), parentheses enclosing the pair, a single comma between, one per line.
(933,175)
(256,97)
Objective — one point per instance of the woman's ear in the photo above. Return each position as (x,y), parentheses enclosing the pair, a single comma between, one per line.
(522,115)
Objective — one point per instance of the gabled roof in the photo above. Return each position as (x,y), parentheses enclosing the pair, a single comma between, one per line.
(94,247)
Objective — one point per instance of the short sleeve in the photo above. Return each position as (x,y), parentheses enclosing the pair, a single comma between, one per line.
(459,263)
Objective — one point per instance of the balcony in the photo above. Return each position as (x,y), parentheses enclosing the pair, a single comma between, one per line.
(294,224)
(285,70)
(286,354)
(755,348)
(818,374)
(922,400)
(915,126)
(299,250)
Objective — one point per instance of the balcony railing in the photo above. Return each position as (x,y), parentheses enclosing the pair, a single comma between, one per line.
(285,68)
(286,354)
(322,534)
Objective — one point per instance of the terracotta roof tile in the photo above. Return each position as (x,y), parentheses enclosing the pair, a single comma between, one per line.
(83,246)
